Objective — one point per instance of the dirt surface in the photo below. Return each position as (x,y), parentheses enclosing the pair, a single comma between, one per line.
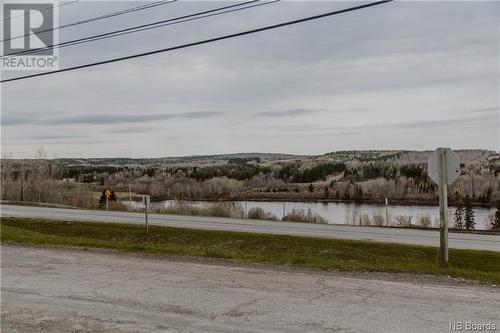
(60,290)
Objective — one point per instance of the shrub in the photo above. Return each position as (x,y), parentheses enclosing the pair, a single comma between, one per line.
(219,209)
(351,217)
(424,220)
(459,216)
(258,213)
(302,215)
(493,221)
(495,218)
(469,222)
(117,206)
(402,221)
(378,219)
(181,208)
(364,219)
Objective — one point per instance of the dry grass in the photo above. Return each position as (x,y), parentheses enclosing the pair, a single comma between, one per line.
(424,221)
(258,213)
(378,219)
(402,221)
(219,209)
(303,215)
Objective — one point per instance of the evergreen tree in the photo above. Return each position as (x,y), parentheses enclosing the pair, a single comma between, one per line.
(359,192)
(347,192)
(311,188)
(102,199)
(459,216)
(488,194)
(469,222)
(495,224)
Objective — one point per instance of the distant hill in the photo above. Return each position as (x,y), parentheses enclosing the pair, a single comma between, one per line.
(465,155)
(406,156)
(402,156)
(194,159)
(363,155)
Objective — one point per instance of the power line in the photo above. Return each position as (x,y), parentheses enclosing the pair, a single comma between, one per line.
(100,17)
(42,10)
(205,41)
(148,26)
(143,27)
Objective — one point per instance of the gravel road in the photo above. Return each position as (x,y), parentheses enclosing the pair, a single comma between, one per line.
(58,290)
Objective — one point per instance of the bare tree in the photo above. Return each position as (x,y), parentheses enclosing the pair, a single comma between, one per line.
(6,172)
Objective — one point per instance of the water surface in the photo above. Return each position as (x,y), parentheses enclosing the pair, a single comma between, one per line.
(340,212)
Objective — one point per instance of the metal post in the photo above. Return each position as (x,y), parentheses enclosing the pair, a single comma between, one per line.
(130,193)
(22,189)
(107,203)
(246,209)
(443,208)
(386,211)
(146,213)
(284,210)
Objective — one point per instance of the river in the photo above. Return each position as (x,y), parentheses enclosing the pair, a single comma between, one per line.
(340,212)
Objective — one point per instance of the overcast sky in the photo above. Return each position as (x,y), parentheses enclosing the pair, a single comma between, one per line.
(403,75)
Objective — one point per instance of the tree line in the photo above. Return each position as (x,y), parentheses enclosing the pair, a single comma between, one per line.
(309,179)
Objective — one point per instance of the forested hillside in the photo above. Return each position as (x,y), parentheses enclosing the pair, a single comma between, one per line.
(363,176)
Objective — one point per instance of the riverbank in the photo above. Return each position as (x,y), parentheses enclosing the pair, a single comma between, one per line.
(401,202)
(332,212)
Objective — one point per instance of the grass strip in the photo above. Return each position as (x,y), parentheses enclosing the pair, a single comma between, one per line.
(328,254)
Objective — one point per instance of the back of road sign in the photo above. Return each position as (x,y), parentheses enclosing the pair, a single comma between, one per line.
(452,166)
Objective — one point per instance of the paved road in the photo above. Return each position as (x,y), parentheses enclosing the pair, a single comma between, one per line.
(57,290)
(390,235)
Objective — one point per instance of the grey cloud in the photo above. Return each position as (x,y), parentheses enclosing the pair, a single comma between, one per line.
(489,109)
(107,119)
(55,142)
(475,110)
(286,113)
(475,121)
(129,130)
(54,137)
(382,63)
(120,119)
(13,119)
(449,123)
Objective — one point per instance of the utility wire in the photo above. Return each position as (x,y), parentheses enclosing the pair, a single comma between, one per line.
(100,17)
(42,10)
(143,27)
(149,26)
(205,41)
